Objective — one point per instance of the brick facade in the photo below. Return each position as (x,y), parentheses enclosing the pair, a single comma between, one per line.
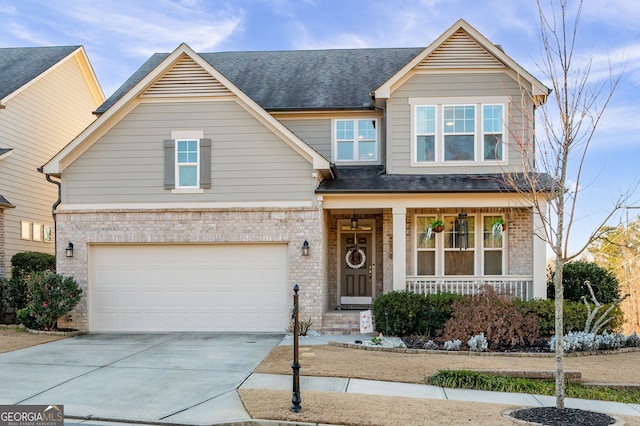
(173,226)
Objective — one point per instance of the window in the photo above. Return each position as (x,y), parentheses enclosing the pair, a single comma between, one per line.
(426,133)
(445,132)
(187,161)
(492,241)
(459,124)
(356,140)
(468,245)
(426,263)
(459,245)
(492,120)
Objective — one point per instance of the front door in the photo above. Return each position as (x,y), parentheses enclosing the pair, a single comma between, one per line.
(356,270)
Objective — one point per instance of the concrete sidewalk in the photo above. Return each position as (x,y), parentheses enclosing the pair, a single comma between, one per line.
(410,390)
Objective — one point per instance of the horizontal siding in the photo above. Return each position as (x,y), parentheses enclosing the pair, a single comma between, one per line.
(441,86)
(37,123)
(315,132)
(249,163)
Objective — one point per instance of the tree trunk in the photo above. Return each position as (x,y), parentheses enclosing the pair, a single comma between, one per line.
(559,290)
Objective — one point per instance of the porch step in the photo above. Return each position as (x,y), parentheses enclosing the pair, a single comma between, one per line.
(341,322)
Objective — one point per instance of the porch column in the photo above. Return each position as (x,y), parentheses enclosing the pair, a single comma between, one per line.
(399,248)
(539,259)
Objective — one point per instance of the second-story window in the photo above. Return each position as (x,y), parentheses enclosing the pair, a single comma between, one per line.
(356,140)
(187,153)
(447,131)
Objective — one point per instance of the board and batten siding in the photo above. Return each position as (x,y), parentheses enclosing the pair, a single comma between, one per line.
(248,161)
(314,132)
(462,85)
(37,123)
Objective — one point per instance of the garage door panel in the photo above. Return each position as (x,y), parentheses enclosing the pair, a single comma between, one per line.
(242,287)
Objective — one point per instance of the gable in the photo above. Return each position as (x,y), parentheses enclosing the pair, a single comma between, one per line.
(186,78)
(462,47)
(459,51)
(186,75)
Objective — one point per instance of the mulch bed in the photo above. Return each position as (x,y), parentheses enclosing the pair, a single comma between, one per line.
(567,417)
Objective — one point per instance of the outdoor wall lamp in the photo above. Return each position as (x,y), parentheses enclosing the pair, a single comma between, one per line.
(354,223)
(305,248)
(69,250)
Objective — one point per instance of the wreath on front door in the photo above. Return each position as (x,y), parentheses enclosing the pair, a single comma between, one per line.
(355,258)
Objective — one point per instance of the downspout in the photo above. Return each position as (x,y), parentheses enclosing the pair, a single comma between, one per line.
(54,207)
(383,132)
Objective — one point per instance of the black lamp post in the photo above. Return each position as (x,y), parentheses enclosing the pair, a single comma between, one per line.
(295,399)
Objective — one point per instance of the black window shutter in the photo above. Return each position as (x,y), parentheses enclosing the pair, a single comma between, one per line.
(169,164)
(205,163)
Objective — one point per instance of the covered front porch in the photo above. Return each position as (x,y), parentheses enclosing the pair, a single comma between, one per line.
(379,244)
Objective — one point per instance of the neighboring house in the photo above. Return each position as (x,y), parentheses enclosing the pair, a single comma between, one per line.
(212,183)
(47,96)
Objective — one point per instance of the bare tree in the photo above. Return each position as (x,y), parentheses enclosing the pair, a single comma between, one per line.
(568,127)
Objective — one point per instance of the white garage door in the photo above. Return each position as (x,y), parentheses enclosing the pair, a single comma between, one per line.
(239,287)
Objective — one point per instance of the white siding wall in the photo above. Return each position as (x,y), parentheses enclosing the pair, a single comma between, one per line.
(249,162)
(446,86)
(37,123)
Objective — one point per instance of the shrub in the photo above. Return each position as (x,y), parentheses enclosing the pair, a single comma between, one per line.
(452,345)
(574,274)
(24,264)
(52,296)
(402,313)
(478,343)
(574,315)
(581,341)
(503,323)
(4,305)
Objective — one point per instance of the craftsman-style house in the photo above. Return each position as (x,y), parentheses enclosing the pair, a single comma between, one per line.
(212,183)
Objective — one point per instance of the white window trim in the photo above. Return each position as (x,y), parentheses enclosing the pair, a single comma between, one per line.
(355,161)
(479,248)
(178,164)
(439,103)
(483,133)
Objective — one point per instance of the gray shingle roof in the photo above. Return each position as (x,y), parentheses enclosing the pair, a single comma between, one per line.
(372,179)
(20,65)
(297,79)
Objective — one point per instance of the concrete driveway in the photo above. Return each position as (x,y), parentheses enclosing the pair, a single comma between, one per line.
(186,378)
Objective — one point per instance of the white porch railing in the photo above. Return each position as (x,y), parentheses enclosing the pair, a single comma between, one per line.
(512,285)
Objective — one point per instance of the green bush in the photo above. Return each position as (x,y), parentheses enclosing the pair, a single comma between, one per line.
(402,313)
(52,296)
(23,266)
(4,305)
(26,263)
(574,274)
(574,315)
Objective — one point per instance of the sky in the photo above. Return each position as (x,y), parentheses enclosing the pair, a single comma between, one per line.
(120,35)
